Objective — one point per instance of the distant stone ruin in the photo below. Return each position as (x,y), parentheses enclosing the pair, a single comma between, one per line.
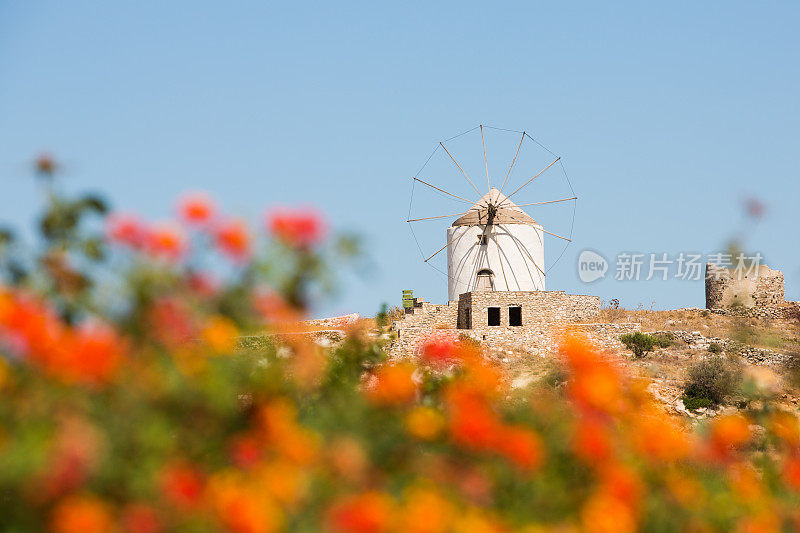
(758,293)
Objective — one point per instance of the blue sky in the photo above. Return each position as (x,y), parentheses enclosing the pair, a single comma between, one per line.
(667,116)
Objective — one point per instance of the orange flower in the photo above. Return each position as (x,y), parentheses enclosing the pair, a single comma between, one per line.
(233,239)
(241,507)
(786,427)
(166,242)
(472,422)
(369,512)
(196,208)
(604,513)
(426,511)
(763,522)
(141,518)
(275,310)
(592,441)
(595,383)
(745,481)
(622,483)
(686,490)
(82,514)
(300,228)
(277,421)
(220,334)
(728,432)
(521,446)
(96,354)
(285,482)
(659,438)
(791,472)
(395,385)
(348,459)
(182,485)
(424,423)
(126,229)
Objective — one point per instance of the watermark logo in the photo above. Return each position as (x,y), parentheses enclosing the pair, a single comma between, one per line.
(633,266)
(591,266)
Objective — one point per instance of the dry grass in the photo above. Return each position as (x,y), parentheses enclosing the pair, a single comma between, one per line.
(781,335)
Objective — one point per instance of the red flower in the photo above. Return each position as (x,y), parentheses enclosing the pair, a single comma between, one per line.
(171,321)
(233,239)
(521,446)
(182,485)
(126,229)
(440,350)
(245,450)
(196,208)
(369,512)
(166,241)
(296,228)
(472,422)
(791,472)
(45,164)
(141,518)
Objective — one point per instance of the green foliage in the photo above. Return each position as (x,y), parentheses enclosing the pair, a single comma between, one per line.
(639,343)
(715,348)
(712,379)
(691,402)
(663,340)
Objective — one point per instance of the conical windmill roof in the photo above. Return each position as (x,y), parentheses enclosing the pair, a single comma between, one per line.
(507,213)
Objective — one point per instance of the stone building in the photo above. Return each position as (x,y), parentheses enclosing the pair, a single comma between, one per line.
(512,309)
(757,293)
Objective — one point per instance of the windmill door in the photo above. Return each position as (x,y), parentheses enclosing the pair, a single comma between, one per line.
(485,282)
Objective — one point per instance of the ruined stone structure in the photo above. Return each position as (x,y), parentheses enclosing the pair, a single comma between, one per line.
(757,294)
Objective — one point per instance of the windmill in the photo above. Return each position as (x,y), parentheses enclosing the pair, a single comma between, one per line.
(494,245)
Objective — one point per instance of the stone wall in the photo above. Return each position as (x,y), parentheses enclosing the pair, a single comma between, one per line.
(544,313)
(758,294)
(537,307)
(751,354)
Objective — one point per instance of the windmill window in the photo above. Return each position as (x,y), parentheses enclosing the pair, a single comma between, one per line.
(482,240)
(515,316)
(494,316)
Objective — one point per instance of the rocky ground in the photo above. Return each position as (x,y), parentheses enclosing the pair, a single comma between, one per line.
(762,348)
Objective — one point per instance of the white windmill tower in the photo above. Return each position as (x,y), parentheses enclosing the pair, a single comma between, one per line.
(494,245)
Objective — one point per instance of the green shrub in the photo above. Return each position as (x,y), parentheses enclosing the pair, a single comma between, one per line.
(715,348)
(663,340)
(639,343)
(692,403)
(711,380)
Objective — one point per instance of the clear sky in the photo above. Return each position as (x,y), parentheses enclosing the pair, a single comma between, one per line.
(668,117)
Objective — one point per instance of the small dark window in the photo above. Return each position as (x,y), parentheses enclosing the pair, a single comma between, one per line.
(468,324)
(515,316)
(494,316)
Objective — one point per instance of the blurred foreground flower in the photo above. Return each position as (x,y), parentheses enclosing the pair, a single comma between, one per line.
(160,396)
